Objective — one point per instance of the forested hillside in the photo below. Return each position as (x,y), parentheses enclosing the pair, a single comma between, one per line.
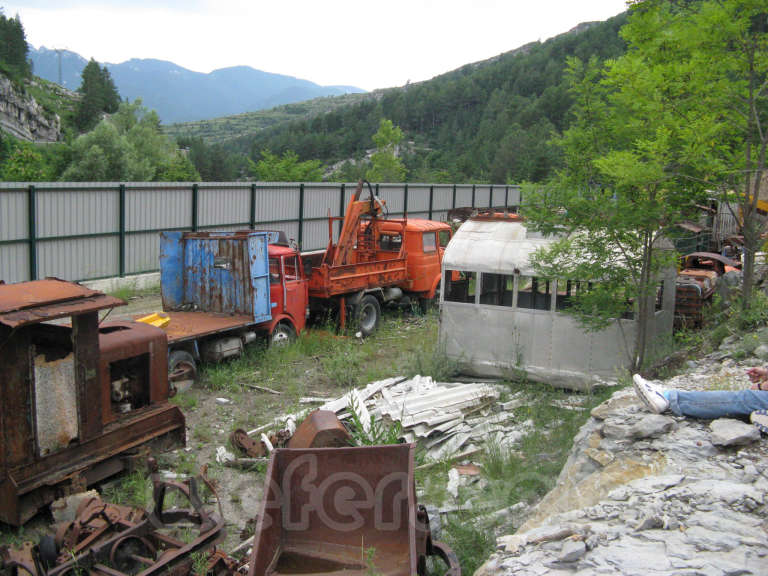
(488,121)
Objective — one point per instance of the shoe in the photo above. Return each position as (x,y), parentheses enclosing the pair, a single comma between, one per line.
(651,394)
(760,419)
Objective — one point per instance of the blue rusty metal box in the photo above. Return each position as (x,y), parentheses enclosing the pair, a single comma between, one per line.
(217,272)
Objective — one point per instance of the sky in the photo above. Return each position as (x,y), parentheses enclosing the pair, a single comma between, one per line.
(365,43)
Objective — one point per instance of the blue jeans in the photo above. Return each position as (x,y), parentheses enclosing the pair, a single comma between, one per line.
(716,403)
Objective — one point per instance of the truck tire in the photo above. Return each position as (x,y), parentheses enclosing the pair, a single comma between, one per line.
(282,335)
(427,304)
(182,371)
(367,315)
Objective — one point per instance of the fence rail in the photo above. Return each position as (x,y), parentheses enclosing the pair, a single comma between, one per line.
(84,231)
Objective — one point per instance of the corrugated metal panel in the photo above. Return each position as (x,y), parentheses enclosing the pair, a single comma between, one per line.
(219,204)
(393,196)
(277,202)
(76,212)
(442,197)
(424,215)
(514,196)
(291,229)
(318,200)
(316,234)
(440,215)
(79,258)
(142,252)
(14,214)
(418,198)
(463,196)
(158,208)
(14,263)
(482,195)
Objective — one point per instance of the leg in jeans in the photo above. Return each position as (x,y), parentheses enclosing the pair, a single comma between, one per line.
(716,403)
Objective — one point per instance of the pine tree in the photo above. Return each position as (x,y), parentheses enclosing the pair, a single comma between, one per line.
(99,95)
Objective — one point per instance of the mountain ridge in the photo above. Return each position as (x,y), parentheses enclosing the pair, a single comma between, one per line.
(179,94)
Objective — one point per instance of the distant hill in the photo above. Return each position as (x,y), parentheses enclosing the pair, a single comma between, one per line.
(180,95)
(491,121)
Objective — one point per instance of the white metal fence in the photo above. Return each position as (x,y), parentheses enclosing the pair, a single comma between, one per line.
(79,231)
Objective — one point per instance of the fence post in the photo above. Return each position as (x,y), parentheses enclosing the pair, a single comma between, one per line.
(473,195)
(301,214)
(490,197)
(342,194)
(453,200)
(252,211)
(431,197)
(506,199)
(194,207)
(32,236)
(405,200)
(121,224)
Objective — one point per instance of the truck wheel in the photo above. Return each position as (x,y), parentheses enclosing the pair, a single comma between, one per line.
(282,335)
(427,304)
(182,372)
(367,315)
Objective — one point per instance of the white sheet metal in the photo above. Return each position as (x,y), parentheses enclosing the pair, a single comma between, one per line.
(496,246)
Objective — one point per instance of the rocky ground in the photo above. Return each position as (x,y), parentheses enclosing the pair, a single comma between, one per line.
(654,494)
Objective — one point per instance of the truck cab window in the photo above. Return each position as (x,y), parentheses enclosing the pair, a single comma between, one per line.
(291,268)
(390,242)
(429,243)
(274,271)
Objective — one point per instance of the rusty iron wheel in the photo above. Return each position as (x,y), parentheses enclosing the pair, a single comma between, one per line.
(130,554)
(182,371)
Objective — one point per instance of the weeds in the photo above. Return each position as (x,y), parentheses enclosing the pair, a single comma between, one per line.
(379,432)
(131,490)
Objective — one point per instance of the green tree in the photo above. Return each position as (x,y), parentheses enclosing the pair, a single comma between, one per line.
(127,146)
(612,201)
(24,164)
(385,164)
(98,95)
(286,168)
(13,48)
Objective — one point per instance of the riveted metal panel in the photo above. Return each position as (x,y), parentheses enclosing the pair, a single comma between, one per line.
(221,204)
(13,263)
(77,212)
(13,214)
(78,258)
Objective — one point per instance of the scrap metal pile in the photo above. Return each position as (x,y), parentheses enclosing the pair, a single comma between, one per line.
(444,418)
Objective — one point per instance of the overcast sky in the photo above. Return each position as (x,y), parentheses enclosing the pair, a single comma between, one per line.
(365,43)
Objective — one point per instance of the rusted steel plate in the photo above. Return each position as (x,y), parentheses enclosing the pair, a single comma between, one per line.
(320,429)
(41,300)
(186,325)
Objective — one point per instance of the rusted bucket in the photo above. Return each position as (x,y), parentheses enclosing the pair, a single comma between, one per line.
(350,511)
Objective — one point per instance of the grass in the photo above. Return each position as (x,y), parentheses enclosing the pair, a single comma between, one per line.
(129,291)
(133,489)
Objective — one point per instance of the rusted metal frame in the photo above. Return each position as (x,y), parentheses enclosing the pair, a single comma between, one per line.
(32,231)
(85,338)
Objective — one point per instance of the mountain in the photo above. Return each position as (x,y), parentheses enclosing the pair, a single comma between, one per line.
(178,94)
(490,121)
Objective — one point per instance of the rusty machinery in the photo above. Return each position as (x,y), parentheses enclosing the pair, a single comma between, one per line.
(78,398)
(111,540)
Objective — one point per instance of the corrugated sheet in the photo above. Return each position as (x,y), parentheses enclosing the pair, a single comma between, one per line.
(77,212)
(14,262)
(158,208)
(83,208)
(222,204)
(14,216)
(79,258)
(318,200)
(482,196)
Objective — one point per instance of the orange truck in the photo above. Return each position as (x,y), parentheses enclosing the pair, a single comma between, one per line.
(376,261)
